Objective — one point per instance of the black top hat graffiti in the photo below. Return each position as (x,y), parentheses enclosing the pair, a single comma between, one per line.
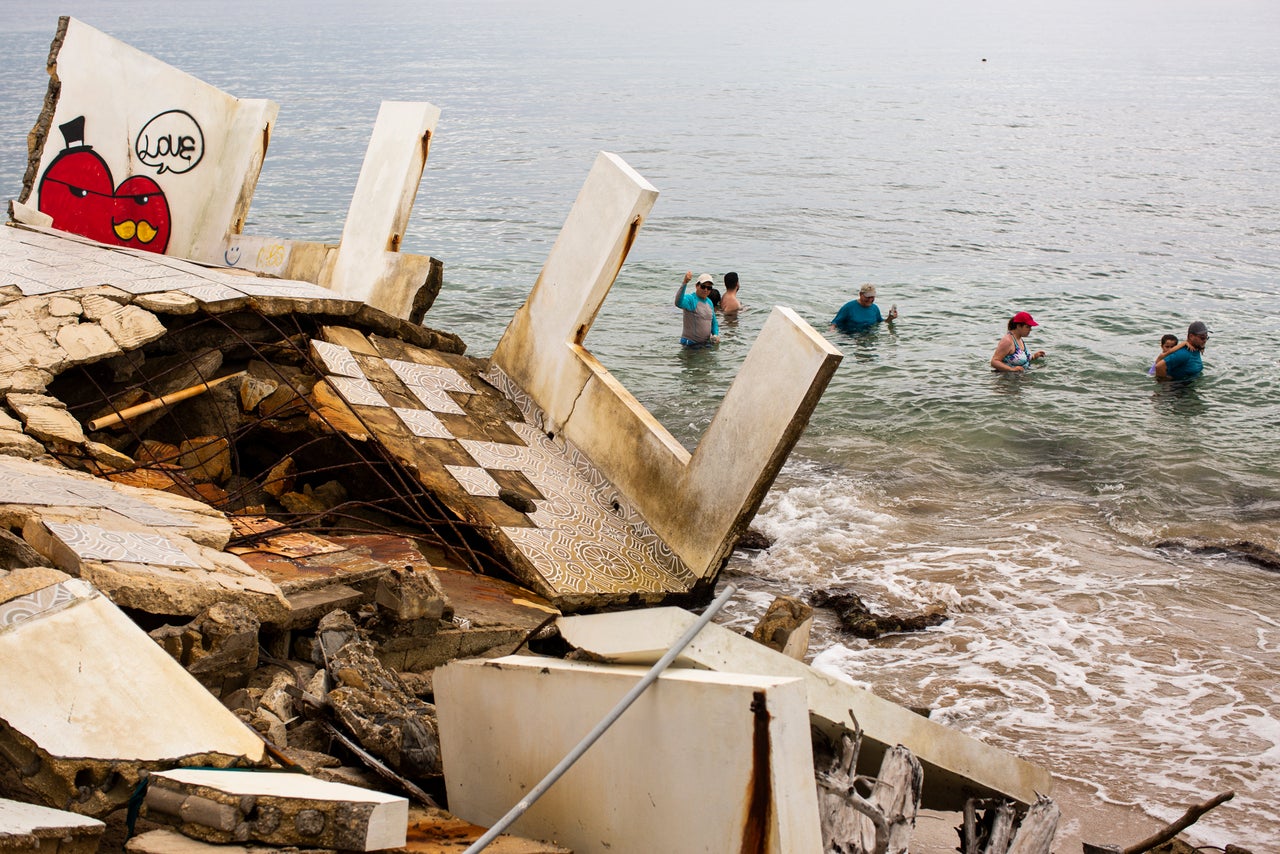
(73,133)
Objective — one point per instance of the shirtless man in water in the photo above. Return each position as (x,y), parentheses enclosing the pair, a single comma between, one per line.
(729,303)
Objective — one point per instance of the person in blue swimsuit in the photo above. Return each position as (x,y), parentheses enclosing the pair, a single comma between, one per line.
(861,313)
(1011,355)
(1185,363)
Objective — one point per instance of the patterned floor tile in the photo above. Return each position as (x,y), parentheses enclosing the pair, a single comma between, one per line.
(336,359)
(437,400)
(587,537)
(423,423)
(357,391)
(430,376)
(475,481)
(91,542)
(47,600)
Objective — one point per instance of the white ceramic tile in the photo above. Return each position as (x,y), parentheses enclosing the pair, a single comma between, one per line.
(91,542)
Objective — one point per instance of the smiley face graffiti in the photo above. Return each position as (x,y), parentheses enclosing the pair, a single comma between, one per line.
(78,192)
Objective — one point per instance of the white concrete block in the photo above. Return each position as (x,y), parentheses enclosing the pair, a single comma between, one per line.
(286,808)
(29,827)
(701,762)
(81,680)
(955,765)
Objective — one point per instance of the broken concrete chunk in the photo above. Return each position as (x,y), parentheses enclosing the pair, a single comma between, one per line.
(168,302)
(28,827)
(412,593)
(276,808)
(785,627)
(219,647)
(373,702)
(82,713)
(63,307)
(15,553)
(86,342)
(96,306)
(46,418)
(206,458)
(335,630)
(131,327)
(280,479)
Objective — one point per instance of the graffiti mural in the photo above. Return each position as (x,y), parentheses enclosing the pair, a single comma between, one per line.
(77,190)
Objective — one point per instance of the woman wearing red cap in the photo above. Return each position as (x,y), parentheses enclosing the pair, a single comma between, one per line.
(1011,353)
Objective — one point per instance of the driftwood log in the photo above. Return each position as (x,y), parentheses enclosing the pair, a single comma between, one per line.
(998,831)
(883,821)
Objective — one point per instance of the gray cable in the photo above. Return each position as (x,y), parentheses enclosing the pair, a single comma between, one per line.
(574,755)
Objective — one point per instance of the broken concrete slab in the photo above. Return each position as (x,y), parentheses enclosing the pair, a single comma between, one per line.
(29,827)
(278,808)
(561,528)
(219,647)
(411,593)
(430,831)
(727,759)
(159,573)
(956,766)
(91,702)
(168,841)
(376,705)
(785,627)
(490,618)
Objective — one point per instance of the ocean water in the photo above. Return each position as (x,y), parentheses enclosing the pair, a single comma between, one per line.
(1110,167)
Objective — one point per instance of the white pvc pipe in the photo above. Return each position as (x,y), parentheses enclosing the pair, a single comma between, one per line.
(574,755)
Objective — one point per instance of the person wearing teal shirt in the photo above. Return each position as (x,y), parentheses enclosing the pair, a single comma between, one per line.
(701,329)
(1184,363)
(862,313)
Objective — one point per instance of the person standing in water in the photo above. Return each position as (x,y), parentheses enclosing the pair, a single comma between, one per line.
(729,303)
(1011,355)
(1182,363)
(701,329)
(862,313)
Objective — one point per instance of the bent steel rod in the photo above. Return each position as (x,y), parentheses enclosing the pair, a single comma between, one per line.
(574,755)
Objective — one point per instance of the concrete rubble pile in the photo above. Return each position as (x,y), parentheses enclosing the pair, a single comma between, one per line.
(243,545)
(283,568)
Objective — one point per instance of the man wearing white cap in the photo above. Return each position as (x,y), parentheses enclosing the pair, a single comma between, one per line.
(861,313)
(700,326)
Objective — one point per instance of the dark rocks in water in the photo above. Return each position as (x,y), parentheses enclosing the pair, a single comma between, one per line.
(753,540)
(1254,553)
(857,618)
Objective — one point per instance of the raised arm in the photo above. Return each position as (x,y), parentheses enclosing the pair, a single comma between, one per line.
(680,291)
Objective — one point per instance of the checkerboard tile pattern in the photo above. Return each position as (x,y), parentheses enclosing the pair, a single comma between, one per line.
(583,536)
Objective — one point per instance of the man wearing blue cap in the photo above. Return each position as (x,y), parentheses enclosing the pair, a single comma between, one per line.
(1185,362)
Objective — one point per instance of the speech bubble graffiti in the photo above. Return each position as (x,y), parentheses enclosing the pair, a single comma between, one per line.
(170,142)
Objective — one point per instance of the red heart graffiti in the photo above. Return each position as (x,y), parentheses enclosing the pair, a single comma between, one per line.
(77,191)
